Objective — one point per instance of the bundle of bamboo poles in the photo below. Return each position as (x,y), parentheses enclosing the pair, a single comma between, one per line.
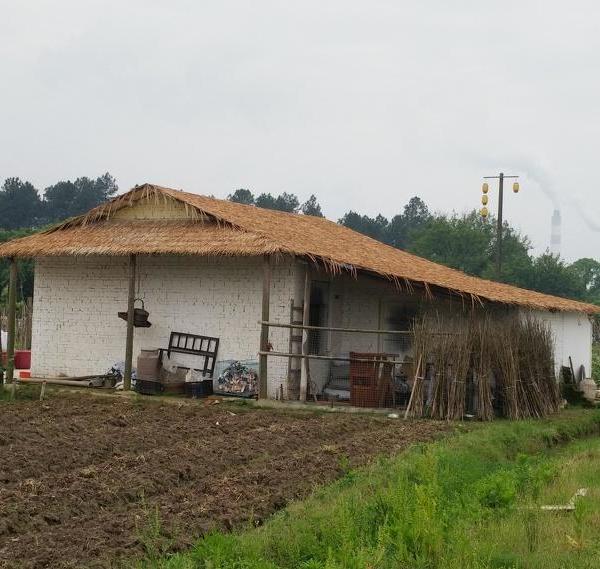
(506,361)
(451,364)
(421,348)
(525,368)
(482,375)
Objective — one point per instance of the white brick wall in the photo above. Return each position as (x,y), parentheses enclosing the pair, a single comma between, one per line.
(76,330)
(572,334)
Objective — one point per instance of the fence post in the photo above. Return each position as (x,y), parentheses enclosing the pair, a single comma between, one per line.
(264,329)
(12,308)
(130,318)
(305,348)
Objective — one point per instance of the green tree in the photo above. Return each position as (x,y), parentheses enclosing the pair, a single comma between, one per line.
(403,226)
(516,260)
(311,207)
(67,199)
(283,202)
(551,275)
(588,272)
(461,242)
(25,275)
(242,196)
(20,204)
(375,227)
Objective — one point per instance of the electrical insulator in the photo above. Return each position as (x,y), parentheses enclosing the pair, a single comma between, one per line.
(485,188)
(516,187)
(484,212)
(484,199)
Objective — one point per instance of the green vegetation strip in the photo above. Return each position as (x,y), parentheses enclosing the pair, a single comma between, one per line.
(527,537)
(435,506)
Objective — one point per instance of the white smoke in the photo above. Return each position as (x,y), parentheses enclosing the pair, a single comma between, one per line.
(591,224)
(537,172)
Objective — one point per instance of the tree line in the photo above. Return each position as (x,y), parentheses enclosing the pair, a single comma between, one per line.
(24,209)
(461,241)
(283,202)
(23,206)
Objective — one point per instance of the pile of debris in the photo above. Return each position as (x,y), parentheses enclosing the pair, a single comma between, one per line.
(238,379)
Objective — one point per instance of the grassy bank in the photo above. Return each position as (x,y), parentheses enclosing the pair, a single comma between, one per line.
(421,509)
(528,537)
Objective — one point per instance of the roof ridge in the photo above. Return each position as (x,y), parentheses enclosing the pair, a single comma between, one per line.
(257,231)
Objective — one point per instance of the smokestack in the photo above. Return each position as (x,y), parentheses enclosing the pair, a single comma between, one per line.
(555,237)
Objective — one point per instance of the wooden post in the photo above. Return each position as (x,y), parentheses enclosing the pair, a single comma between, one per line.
(12,311)
(130,318)
(305,347)
(264,329)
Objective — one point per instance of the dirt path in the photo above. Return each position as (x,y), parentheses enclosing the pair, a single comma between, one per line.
(84,480)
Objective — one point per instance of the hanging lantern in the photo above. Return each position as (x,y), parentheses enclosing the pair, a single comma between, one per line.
(484,212)
(516,187)
(484,199)
(485,188)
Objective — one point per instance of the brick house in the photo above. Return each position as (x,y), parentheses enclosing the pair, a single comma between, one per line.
(200,266)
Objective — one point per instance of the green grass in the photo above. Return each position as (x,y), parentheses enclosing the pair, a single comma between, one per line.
(434,506)
(23,393)
(526,537)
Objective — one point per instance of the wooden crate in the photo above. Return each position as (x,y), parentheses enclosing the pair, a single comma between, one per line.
(370,383)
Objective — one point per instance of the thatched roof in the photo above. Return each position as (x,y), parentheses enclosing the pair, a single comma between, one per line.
(219,227)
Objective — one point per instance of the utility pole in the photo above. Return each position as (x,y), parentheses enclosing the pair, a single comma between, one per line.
(484,212)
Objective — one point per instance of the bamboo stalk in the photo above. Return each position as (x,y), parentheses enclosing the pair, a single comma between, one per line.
(414,388)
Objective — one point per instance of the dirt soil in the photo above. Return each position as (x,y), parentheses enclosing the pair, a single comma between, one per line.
(87,481)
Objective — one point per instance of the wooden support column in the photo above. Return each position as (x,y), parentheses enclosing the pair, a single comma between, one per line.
(130,318)
(264,329)
(305,333)
(12,311)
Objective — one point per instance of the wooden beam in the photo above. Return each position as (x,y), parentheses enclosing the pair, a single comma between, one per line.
(264,330)
(130,318)
(305,322)
(335,329)
(333,358)
(12,312)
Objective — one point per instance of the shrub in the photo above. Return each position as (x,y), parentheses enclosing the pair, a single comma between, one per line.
(498,490)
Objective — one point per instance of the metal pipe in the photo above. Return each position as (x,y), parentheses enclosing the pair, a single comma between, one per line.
(58,382)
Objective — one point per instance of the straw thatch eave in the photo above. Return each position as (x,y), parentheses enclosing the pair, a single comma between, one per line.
(218,227)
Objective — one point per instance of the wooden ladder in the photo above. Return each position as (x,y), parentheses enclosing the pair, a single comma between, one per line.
(295,346)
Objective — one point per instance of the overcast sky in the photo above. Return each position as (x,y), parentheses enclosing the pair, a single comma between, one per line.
(364,104)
